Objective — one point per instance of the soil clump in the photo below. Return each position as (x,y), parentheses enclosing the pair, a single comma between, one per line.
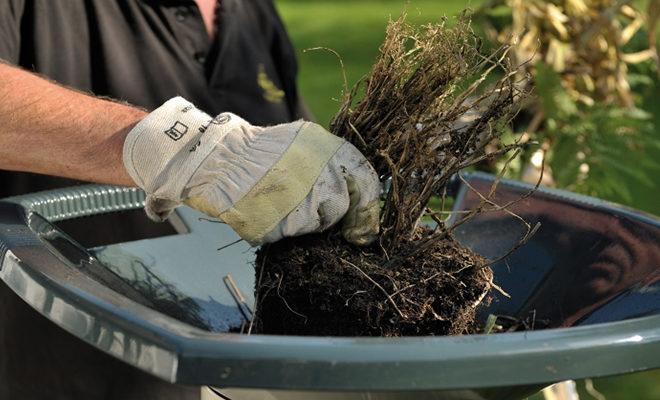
(320,285)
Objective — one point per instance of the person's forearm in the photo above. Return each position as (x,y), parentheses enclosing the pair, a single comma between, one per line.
(48,129)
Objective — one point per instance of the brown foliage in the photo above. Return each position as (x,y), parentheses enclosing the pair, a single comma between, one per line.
(429,109)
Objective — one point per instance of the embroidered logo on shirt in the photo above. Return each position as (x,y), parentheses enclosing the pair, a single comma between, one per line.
(271,93)
(177,131)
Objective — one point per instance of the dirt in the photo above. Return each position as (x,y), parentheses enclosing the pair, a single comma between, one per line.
(321,285)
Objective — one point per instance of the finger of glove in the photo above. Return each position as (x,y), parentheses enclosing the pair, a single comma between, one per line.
(238,162)
(347,189)
(323,207)
(232,173)
(271,205)
(159,209)
(360,225)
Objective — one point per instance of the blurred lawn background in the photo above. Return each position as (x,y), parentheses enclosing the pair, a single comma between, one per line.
(355,29)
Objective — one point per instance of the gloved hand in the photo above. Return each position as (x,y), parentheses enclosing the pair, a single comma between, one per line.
(267,183)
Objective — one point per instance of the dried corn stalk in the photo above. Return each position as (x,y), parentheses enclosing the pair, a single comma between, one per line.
(583,40)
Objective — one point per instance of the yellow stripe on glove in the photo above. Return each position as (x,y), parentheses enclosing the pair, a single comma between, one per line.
(283,187)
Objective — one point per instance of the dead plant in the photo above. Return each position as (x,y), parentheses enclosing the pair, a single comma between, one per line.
(432,105)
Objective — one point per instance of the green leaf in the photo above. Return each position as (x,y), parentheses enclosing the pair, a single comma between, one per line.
(554,99)
(632,172)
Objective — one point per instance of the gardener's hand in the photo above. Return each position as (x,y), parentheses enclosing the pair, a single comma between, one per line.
(265,182)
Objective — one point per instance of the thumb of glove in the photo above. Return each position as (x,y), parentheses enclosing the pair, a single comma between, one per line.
(361,223)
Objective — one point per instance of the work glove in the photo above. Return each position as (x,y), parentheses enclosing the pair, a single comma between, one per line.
(267,183)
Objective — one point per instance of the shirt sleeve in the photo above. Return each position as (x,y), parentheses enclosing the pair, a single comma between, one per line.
(11,12)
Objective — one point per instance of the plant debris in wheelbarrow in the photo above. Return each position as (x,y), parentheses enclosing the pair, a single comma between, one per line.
(432,105)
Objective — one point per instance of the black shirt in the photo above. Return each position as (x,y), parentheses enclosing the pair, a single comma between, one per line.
(147,51)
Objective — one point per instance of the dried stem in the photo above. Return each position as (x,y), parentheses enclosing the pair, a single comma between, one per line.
(432,106)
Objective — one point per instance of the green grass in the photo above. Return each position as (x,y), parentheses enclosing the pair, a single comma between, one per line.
(355,29)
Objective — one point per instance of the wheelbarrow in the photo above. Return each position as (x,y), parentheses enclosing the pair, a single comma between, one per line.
(585,289)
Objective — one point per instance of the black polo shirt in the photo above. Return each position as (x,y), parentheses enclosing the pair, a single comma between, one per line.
(147,51)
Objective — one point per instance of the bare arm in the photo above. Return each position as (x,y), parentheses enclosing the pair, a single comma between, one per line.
(48,129)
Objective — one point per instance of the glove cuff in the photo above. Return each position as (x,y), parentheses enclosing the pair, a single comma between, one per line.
(163,151)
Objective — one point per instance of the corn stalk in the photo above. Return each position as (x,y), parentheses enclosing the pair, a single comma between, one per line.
(583,40)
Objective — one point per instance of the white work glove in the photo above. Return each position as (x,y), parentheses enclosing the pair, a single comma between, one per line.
(267,183)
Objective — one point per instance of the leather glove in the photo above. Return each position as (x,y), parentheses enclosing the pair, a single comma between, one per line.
(267,183)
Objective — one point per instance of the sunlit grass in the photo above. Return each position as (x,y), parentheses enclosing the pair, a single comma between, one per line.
(354,29)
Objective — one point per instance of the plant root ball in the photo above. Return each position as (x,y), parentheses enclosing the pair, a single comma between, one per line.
(320,285)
